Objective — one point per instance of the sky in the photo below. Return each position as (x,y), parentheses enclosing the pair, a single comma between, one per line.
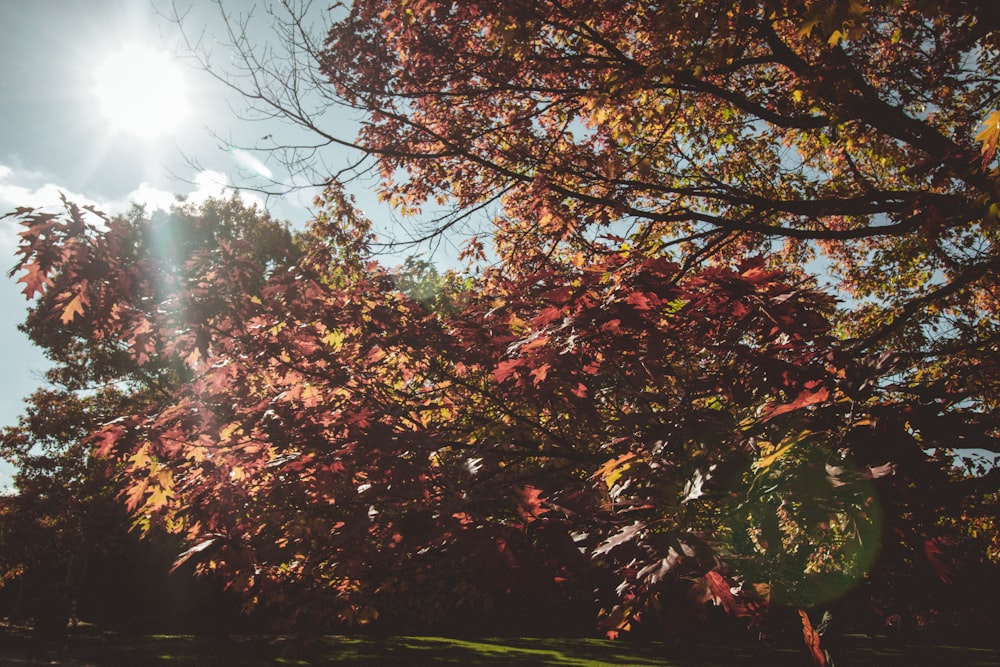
(69,128)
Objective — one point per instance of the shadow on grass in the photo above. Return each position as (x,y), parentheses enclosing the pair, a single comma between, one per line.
(88,646)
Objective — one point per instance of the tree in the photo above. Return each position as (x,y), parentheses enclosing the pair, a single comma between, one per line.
(860,134)
(64,531)
(845,132)
(643,393)
(337,447)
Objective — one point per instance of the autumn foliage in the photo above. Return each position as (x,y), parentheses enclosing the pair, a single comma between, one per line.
(646,404)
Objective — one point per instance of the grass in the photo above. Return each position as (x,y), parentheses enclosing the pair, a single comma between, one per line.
(89,646)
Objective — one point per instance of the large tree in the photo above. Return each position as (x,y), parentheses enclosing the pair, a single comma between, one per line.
(861,134)
(619,430)
(844,130)
(639,397)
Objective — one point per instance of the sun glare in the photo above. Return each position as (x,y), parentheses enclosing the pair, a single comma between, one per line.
(142,92)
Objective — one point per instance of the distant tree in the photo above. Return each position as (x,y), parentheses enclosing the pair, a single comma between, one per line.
(63,524)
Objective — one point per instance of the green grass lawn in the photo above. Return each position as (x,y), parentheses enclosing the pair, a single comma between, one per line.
(90,647)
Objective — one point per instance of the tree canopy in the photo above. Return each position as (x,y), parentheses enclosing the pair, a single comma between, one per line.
(638,396)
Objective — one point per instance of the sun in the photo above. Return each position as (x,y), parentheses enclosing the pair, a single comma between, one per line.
(141,92)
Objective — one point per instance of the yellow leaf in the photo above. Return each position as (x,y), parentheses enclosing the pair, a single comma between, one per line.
(311,395)
(334,339)
(990,135)
(783,448)
(161,490)
(230,430)
(613,469)
(158,498)
(73,308)
(141,458)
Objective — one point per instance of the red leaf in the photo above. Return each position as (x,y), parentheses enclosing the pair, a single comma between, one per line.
(804,399)
(547,316)
(722,594)
(107,438)
(934,553)
(506,369)
(639,301)
(529,501)
(540,373)
(612,326)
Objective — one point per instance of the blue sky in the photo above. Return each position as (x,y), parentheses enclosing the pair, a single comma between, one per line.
(56,139)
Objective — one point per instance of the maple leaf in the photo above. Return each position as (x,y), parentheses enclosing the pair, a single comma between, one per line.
(135,493)
(613,469)
(506,369)
(540,373)
(805,398)
(72,309)
(935,554)
(812,641)
(108,437)
(783,448)
(185,555)
(641,301)
(989,136)
(35,279)
(529,501)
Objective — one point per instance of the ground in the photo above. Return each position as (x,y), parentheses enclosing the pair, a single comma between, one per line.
(88,646)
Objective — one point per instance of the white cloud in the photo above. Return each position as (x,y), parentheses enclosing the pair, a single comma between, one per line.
(13,194)
(152,198)
(251,162)
(207,183)
(20,188)
(31,190)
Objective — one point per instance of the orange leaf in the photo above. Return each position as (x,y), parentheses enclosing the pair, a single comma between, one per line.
(505,369)
(990,136)
(72,309)
(804,399)
(613,469)
(34,279)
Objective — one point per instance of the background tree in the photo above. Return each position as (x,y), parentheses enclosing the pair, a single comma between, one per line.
(65,533)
